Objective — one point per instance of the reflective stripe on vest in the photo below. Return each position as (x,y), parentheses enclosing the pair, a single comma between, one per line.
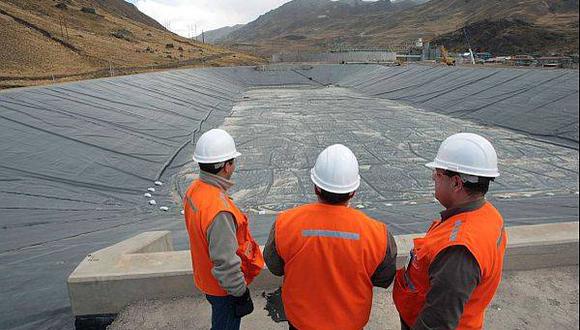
(330,254)
(202,203)
(190,203)
(330,233)
(482,233)
(455,230)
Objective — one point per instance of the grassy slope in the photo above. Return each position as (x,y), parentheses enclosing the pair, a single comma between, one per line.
(40,41)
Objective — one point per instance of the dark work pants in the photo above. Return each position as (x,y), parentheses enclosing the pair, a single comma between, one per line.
(404,326)
(223,313)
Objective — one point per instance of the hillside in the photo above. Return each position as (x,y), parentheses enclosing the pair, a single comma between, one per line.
(217,35)
(60,40)
(510,36)
(307,25)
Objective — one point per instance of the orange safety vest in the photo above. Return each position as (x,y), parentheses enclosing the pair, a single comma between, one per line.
(330,254)
(202,203)
(482,232)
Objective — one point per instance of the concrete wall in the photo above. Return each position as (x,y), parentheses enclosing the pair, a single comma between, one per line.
(338,57)
(144,267)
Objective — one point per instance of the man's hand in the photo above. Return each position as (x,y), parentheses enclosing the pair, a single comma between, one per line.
(243,305)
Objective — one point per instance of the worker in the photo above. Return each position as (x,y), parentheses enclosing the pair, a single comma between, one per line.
(224,255)
(330,255)
(455,269)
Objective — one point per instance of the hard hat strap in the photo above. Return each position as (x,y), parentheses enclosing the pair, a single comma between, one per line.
(219,165)
(469,178)
(464,177)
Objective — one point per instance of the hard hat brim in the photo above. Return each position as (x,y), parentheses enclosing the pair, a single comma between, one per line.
(431,165)
(213,160)
(438,165)
(331,188)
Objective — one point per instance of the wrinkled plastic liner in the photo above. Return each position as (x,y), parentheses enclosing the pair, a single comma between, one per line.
(78,159)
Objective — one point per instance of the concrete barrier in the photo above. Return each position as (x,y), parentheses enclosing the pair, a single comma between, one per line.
(146,267)
(142,267)
(542,246)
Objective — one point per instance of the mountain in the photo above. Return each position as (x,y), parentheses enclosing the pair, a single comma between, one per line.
(315,25)
(128,10)
(58,40)
(217,35)
(309,24)
(510,36)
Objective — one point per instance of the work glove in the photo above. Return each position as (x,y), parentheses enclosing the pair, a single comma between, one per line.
(243,305)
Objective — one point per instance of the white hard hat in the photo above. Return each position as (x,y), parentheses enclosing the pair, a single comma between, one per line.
(336,170)
(215,146)
(467,153)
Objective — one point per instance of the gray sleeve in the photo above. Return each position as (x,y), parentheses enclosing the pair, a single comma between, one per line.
(223,245)
(453,275)
(273,260)
(385,272)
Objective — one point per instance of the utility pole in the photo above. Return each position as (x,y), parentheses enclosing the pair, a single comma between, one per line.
(469,47)
(167,24)
(60,19)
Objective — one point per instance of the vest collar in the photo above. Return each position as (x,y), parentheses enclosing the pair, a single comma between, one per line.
(471,206)
(333,205)
(215,180)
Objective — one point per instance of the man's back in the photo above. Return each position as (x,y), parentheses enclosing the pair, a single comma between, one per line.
(330,253)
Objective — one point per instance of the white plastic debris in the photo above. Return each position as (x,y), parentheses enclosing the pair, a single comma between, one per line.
(182,212)
(151,189)
(158,183)
(262,212)
(148,195)
(152,202)
(550,194)
(389,205)
(164,208)
(412,203)
(360,206)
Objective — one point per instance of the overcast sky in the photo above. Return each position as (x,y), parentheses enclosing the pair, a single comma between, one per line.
(182,16)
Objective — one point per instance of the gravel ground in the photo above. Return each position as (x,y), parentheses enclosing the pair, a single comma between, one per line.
(536,299)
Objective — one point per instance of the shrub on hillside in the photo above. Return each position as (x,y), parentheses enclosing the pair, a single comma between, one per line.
(89,10)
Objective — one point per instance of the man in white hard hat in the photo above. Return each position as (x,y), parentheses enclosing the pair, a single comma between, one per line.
(225,257)
(330,255)
(455,269)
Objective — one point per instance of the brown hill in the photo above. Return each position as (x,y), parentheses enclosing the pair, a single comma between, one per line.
(213,36)
(55,40)
(307,25)
(510,36)
(128,10)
